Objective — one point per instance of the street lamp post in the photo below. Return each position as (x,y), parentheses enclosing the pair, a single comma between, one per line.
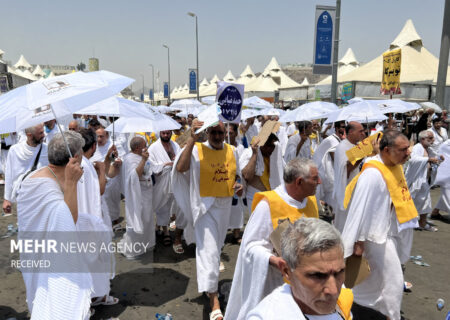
(168,71)
(153,83)
(196,43)
(142,87)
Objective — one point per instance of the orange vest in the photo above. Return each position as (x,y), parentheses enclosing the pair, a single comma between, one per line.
(280,210)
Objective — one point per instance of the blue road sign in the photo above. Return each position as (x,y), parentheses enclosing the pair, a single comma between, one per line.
(192,81)
(166,90)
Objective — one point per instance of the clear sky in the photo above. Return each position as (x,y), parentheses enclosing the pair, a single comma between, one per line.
(128,35)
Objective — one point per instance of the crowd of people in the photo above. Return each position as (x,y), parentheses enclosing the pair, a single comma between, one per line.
(201,184)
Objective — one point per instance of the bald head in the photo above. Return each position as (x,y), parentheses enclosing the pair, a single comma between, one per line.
(102,136)
(354,132)
(35,135)
(137,144)
(73,126)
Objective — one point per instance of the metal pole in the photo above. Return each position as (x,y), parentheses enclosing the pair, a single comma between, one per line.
(335,52)
(196,44)
(443,58)
(153,83)
(142,87)
(198,74)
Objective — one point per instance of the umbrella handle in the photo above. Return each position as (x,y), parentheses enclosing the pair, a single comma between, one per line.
(60,130)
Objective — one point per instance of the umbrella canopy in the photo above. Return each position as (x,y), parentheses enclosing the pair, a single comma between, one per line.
(46,99)
(431,105)
(158,122)
(310,111)
(360,111)
(118,107)
(186,103)
(250,113)
(396,106)
(274,112)
(256,103)
(209,100)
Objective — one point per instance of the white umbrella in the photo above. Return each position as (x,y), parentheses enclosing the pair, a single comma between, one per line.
(250,113)
(194,111)
(310,111)
(360,111)
(158,122)
(256,103)
(396,106)
(47,99)
(186,104)
(431,105)
(209,100)
(118,107)
(274,112)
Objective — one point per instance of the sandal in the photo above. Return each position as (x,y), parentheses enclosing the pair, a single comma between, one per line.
(428,227)
(117,227)
(437,216)
(167,240)
(215,315)
(105,301)
(178,248)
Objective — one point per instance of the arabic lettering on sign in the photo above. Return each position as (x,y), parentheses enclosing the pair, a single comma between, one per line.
(230,102)
(220,172)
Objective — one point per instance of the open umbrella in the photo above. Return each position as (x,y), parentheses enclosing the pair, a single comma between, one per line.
(158,122)
(396,106)
(256,103)
(431,105)
(47,99)
(362,111)
(310,111)
(209,100)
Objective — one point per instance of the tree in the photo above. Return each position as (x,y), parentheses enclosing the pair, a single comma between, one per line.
(81,66)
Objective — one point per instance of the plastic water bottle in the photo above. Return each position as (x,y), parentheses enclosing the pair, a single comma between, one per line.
(166,316)
(440,304)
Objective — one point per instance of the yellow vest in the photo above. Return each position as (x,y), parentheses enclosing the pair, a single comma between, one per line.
(396,184)
(266,173)
(280,210)
(345,302)
(217,171)
(148,138)
(174,137)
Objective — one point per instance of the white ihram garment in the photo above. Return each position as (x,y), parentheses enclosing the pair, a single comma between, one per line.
(416,178)
(207,220)
(89,204)
(52,295)
(387,244)
(162,190)
(291,148)
(325,165)
(138,208)
(340,182)
(20,159)
(254,278)
(276,169)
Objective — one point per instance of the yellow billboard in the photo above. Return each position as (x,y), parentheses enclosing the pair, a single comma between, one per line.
(390,80)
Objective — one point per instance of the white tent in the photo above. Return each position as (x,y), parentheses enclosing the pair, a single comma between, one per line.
(210,90)
(280,78)
(229,77)
(418,64)
(246,76)
(22,64)
(204,83)
(305,83)
(347,63)
(263,83)
(38,73)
